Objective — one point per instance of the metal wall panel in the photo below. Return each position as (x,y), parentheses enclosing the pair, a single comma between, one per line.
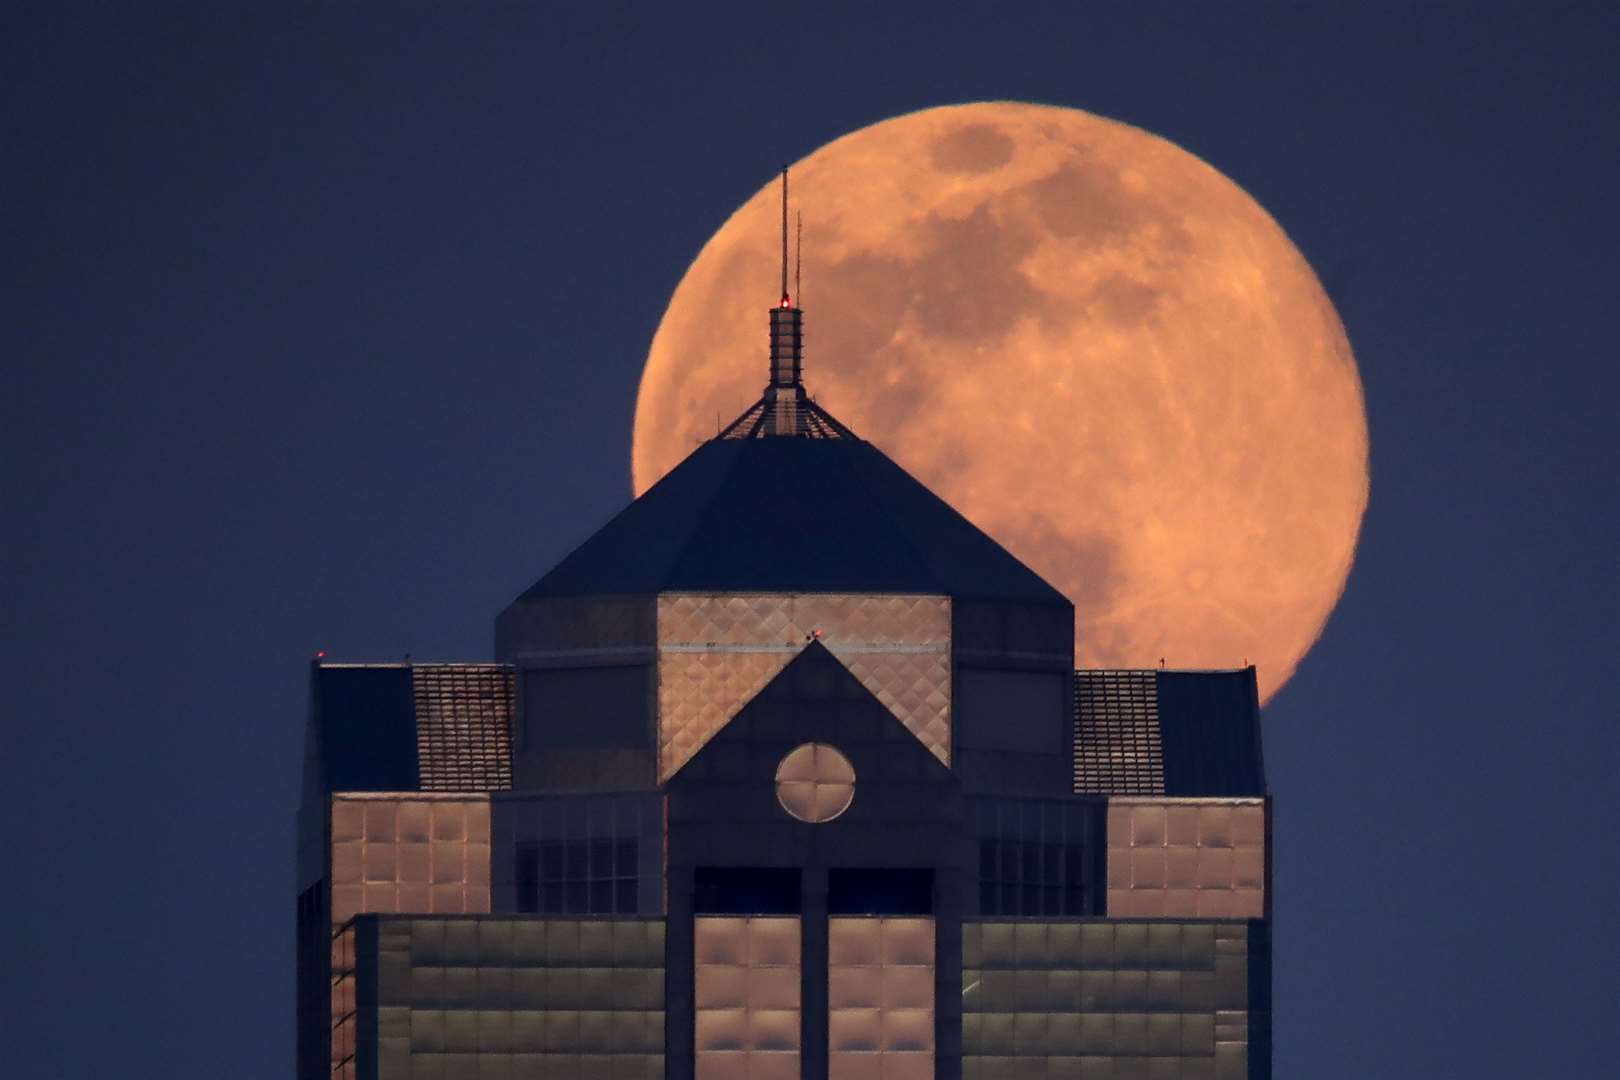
(415,853)
(496,998)
(575,635)
(907,815)
(1115,998)
(1022,712)
(1014,634)
(562,631)
(717,650)
(880,998)
(587,707)
(699,692)
(1186,858)
(746,982)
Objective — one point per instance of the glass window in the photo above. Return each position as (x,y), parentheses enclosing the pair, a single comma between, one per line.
(1036,856)
(583,864)
(527,878)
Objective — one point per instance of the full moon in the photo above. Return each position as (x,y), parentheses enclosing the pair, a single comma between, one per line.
(1090,342)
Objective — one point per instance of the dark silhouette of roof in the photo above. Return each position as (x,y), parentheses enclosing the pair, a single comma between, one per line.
(413,727)
(1210,724)
(365,721)
(792,515)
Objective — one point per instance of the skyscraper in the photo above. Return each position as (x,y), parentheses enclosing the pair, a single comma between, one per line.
(785,772)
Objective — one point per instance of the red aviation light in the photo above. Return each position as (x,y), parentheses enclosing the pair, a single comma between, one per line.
(786,301)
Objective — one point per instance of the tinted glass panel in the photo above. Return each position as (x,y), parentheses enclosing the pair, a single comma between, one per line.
(880,892)
(1039,856)
(729,890)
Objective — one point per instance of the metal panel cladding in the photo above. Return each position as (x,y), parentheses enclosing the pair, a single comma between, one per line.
(717,650)
(880,997)
(1115,998)
(747,982)
(1187,858)
(499,997)
(413,854)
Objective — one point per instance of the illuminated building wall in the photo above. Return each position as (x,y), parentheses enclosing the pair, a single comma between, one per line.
(786,772)
(509,996)
(746,985)
(1118,998)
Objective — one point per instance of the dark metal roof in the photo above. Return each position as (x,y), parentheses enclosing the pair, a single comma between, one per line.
(1210,724)
(365,722)
(1155,732)
(792,515)
(413,727)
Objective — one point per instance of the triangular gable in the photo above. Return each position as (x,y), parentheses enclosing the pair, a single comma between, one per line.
(814,698)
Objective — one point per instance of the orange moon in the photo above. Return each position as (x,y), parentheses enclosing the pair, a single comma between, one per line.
(1090,342)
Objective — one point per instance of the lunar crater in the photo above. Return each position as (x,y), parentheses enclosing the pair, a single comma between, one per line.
(972,149)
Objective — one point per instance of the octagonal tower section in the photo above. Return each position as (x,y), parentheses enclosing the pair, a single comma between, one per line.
(639,647)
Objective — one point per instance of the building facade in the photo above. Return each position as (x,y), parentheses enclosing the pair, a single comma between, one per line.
(785,772)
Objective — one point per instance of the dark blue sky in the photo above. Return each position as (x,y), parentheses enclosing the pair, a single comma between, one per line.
(322,326)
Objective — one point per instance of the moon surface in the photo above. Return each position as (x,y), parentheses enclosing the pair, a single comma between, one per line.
(1090,342)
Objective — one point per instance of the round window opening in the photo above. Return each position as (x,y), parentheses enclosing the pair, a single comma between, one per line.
(815,783)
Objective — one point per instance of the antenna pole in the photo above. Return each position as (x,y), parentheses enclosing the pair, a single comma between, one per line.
(798,258)
(784,395)
(784,237)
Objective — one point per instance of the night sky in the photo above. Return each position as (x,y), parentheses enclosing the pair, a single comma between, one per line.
(322,327)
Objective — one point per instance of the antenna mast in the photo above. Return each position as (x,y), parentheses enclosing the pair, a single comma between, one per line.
(785,301)
(784,394)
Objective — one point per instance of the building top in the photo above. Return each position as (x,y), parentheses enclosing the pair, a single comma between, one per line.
(448,727)
(1154,732)
(792,515)
(788,499)
(412,727)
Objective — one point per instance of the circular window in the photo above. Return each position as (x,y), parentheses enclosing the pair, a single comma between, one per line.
(815,783)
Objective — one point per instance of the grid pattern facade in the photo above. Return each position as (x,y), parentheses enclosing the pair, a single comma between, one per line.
(499,998)
(1113,999)
(598,854)
(746,982)
(880,998)
(1187,858)
(717,651)
(1117,743)
(412,854)
(1038,856)
(463,726)
(581,874)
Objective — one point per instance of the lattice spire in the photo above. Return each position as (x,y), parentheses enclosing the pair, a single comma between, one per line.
(785,409)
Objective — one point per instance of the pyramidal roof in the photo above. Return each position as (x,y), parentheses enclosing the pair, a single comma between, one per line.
(787,499)
(792,514)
